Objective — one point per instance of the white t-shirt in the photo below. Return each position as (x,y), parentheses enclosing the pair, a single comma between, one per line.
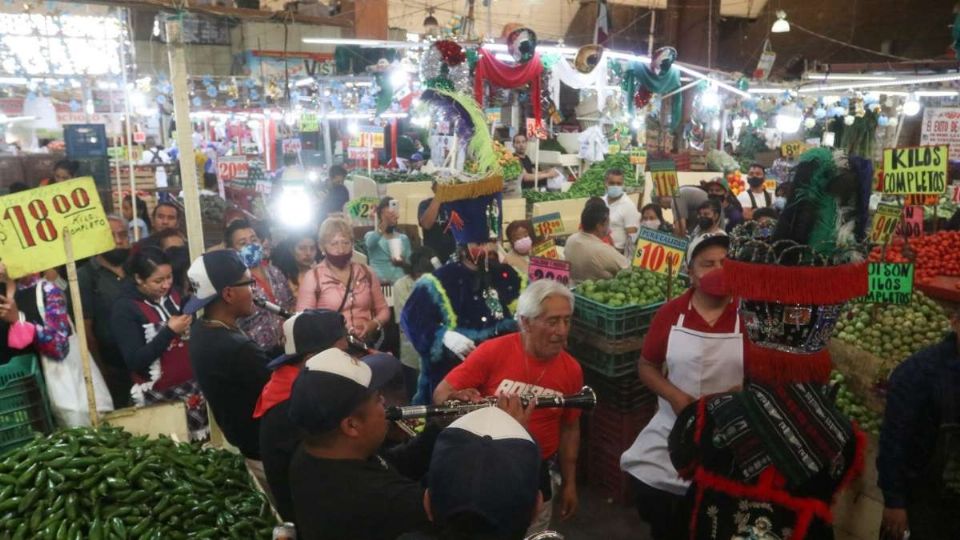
(623,214)
(744,198)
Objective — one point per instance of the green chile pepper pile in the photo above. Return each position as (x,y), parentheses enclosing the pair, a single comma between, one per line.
(105,483)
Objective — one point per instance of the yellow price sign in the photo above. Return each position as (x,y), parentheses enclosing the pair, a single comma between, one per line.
(659,251)
(32,224)
(548,225)
(664,173)
(546,249)
(915,170)
(309,123)
(885,222)
(363,207)
(792,150)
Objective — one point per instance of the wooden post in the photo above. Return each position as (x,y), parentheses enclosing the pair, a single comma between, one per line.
(181,110)
(80,327)
(536,165)
(129,130)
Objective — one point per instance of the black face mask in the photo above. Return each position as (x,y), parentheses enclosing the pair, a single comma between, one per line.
(704,223)
(117,256)
(179,258)
(391,229)
(718,198)
(755,181)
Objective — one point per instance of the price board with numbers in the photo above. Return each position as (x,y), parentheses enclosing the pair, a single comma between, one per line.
(546,249)
(911,226)
(548,225)
(792,149)
(32,224)
(921,200)
(638,157)
(659,251)
(493,115)
(309,122)
(885,222)
(544,268)
(230,168)
(292,145)
(369,137)
(664,173)
(362,208)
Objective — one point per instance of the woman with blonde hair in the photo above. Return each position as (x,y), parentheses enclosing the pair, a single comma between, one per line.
(341,285)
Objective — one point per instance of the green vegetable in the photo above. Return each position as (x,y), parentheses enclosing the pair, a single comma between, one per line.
(590,183)
(632,286)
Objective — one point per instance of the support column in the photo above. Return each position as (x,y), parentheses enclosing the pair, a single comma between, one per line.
(369,18)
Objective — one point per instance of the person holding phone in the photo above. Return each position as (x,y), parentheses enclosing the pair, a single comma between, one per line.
(387,248)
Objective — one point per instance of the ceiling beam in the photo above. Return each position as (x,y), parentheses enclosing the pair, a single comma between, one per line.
(343,20)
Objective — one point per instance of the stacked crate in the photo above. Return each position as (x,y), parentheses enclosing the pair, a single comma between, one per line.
(607,341)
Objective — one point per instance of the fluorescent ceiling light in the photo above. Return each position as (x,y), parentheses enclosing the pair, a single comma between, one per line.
(877,84)
(846,77)
(776,91)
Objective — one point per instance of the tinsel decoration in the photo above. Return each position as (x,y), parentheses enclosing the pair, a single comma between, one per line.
(467,116)
(445,65)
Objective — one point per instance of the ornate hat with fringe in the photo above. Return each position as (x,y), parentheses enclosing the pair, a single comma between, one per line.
(794,282)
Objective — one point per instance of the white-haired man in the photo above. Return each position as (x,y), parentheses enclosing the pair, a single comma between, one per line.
(532,362)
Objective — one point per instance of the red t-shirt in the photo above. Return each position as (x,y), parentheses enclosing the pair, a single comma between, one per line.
(501,365)
(655,342)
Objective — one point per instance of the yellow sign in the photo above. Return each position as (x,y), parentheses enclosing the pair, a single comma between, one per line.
(770,185)
(548,225)
(309,123)
(32,224)
(916,169)
(792,150)
(885,223)
(664,175)
(546,249)
(369,137)
(364,207)
(659,251)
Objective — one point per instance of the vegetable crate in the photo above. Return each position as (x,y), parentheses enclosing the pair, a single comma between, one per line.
(24,410)
(609,365)
(612,322)
(623,393)
(610,433)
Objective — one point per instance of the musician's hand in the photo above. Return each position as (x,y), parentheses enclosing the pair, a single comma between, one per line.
(470,395)
(568,501)
(513,405)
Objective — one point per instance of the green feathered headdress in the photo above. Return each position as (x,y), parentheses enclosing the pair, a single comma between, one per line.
(470,124)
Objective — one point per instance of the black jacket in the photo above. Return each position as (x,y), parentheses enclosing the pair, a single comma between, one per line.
(130,328)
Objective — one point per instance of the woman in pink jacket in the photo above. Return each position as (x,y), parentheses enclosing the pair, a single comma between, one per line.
(341,285)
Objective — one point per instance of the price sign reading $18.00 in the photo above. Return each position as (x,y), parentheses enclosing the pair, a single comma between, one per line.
(885,222)
(548,225)
(659,251)
(32,224)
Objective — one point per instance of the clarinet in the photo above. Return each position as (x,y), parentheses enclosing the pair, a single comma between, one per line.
(585,399)
(272,308)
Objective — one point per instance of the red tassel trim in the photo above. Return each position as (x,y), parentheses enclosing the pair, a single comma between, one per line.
(796,284)
(701,419)
(770,366)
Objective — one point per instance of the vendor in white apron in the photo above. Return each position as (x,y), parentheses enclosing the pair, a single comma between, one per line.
(698,337)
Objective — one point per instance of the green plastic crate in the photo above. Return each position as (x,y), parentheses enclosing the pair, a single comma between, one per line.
(24,410)
(607,364)
(612,322)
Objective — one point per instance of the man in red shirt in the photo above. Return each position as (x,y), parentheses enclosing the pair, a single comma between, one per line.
(532,362)
(699,339)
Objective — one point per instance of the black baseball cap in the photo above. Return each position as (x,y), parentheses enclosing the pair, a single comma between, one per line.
(333,384)
(210,274)
(309,331)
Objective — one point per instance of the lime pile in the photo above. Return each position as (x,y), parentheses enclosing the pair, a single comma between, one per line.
(893,332)
(849,404)
(632,286)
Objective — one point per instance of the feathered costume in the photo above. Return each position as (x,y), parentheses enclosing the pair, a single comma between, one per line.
(767,462)
(476,303)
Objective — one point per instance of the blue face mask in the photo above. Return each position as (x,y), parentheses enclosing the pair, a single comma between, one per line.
(614,192)
(251,254)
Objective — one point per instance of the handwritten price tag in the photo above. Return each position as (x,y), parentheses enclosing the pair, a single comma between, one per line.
(546,249)
(915,169)
(912,224)
(664,173)
(309,123)
(362,208)
(32,222)
(885,223)
(792,150)
(659,251)
(230,168)
(544,268)
(548,225)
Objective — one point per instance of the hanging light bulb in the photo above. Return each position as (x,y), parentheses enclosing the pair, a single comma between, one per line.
(398,79)
(715,125)
(710,98)
(788,119)
(353,128)
(635,124)
(912,105)
(780,25)
(430,23)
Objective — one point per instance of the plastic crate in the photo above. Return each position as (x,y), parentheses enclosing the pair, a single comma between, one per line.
(604,474)
(24,410)
(623,394)
(612,322)
(610,365)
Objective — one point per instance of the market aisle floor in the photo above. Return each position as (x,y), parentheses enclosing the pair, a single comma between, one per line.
(598,519)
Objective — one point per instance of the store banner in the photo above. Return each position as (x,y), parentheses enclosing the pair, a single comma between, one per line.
(915,170)
(941,125)
(544,268)
(890,283)
(32,224)
(885,222)
(659,251)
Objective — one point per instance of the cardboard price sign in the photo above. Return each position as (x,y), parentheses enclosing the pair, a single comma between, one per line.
(885,222)
(544,268)
(493,115)
(363,208)
(912,224)
(656,249)
(921,200)
(546,249)
(534,131)
(890,283)
(955,194)
(369,137)
(638,157)
(547,225)
(792,150)
(915,169)
(664,173)
(230,168)
(291,146)
(32,224)
(309,123)
(360,153)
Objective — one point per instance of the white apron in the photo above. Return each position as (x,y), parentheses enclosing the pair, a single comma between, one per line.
(698,363)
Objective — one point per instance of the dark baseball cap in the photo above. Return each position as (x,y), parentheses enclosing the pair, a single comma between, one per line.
(333,384)
(309,331)
(502,478)
(210,274)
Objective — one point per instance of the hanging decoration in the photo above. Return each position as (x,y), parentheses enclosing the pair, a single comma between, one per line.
(659,77)
(464,113)
(497,73)
(574,77)
(522,45)
(444,65)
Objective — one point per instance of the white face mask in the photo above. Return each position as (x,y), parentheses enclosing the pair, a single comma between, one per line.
(651,223)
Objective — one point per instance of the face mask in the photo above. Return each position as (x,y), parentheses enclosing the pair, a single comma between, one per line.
(718,198)
(251,254)
(704,223)
(614,192)
(523,245)
(339,261)
(754,181)
(179,258)
(779,203)
(651,223)
(117,256)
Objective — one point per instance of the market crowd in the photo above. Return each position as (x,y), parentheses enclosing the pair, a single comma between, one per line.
(389,315)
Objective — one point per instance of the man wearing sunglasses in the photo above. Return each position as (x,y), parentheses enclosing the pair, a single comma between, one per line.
(229,366)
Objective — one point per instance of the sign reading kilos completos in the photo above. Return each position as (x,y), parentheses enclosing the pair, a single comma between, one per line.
(917,169)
